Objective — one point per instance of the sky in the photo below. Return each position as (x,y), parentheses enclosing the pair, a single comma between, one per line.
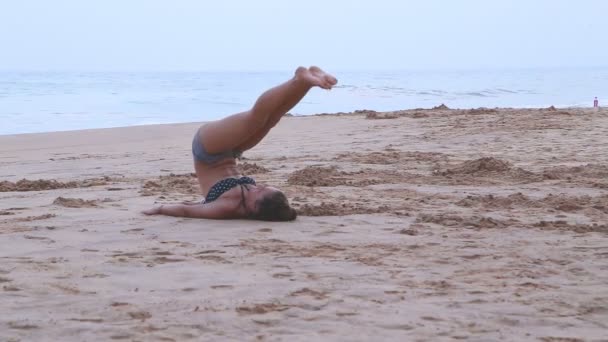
(261,35)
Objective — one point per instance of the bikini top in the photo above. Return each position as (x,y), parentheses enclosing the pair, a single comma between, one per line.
(219,188)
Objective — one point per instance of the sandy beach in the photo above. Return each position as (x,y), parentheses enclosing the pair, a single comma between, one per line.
(418,225)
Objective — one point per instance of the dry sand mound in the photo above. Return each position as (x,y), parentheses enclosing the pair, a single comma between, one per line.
(330,176)
(317,176)
(34,218)
(260,309)
(425,156)
(583,171)
(339,209)
(419,115)
(491,201)
(482,165)
(391,156)
(595,175)
(565,226)
(184,184)
(371,115)
(44,184)
(252,169)
(558,202)
(489,168)
(571,204)
(74,203)
(382,158)
(481,110)
(452,220)
(441,107)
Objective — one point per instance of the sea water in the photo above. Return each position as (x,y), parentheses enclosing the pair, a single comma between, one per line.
(57,101)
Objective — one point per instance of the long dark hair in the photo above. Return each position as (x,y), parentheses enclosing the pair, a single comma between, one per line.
(275,207)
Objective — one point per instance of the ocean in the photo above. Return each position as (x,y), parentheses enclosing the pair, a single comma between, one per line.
(57,101)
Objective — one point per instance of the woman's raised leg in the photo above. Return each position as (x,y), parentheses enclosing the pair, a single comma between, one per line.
(244,130)
(317,76)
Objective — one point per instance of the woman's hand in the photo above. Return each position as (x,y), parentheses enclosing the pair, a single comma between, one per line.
(153,211)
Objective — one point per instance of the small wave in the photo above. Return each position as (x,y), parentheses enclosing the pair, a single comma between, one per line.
(506,91)
(527,92)
(345,86)
(391,88)
(428,93)
(473,93)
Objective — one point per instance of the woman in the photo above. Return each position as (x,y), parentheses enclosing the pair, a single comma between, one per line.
(217,144)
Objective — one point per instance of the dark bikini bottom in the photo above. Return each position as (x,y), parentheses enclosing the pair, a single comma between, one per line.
(200,154)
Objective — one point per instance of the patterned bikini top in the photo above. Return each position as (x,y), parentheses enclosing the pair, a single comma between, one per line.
(219,188)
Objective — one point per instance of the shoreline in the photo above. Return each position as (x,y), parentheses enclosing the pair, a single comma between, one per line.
(401,112)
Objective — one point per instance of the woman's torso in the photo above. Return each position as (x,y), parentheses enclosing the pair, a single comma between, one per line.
(209,174)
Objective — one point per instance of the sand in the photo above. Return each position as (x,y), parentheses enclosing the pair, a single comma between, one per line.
(420,225)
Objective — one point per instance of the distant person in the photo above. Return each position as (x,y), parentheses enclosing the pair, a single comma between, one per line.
(596,103)
(217,144)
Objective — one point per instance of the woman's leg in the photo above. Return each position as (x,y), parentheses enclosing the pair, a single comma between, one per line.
(244,130)
(327,82)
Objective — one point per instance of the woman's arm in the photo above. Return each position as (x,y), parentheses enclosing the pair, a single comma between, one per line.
(216,210)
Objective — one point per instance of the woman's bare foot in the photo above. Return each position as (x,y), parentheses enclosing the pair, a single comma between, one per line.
(328,80)
(316,77)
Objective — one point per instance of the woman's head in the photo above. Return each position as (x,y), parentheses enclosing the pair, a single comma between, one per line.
(271,204)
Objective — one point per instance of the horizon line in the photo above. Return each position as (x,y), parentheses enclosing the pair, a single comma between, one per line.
(267,70)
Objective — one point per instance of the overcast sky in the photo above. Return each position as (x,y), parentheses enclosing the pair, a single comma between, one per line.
(280,34)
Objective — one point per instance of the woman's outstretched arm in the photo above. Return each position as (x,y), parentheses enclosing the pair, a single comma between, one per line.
(217,210)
